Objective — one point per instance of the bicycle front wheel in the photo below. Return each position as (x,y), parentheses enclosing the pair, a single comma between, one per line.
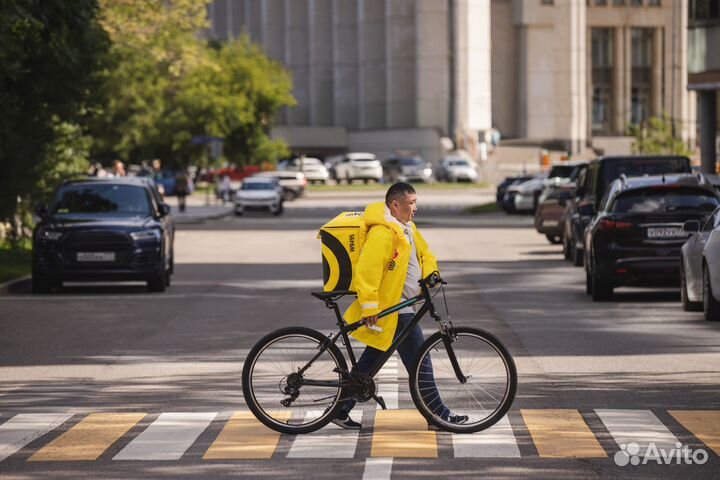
(484,395)
(287,393)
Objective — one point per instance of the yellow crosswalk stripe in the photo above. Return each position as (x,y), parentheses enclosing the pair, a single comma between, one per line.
(561,433)
(88,439)
(244,437)
(403,433)
(704,424)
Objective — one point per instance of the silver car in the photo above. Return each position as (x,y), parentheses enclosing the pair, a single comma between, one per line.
(259,193)
(700,267)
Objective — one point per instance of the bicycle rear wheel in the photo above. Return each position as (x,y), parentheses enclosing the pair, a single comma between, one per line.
(271,376)
(486,395)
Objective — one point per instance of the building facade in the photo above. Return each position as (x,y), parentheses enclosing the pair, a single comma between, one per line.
(386,75)
(704,74)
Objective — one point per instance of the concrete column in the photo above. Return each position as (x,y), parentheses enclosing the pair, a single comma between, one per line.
(297,47)
(372,49)
(345,60)
(432,51)
(656,108)
(400,58)
(708,129)
(321,62)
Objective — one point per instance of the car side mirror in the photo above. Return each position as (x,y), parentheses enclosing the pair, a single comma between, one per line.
(164,209)
(691,226)
(586,210)
(41,210)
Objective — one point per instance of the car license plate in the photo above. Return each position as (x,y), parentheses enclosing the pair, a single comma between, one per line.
(95,256)
(665,233)
(550,223)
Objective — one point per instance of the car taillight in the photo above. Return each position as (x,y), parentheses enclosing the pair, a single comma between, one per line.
(609,225)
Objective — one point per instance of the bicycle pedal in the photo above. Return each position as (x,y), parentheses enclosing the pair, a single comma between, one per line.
(380,401)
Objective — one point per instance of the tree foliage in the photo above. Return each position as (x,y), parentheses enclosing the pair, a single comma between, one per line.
(656,137)
(168,85)
(49,53)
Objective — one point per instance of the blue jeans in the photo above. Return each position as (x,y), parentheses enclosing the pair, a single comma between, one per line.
(408,351)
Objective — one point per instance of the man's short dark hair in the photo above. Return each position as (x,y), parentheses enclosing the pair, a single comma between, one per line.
(398,190)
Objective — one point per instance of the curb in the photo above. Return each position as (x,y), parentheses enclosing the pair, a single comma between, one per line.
(178,220)
(5,287)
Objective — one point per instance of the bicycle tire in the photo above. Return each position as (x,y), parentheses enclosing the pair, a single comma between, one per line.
(269,364)
(472,346)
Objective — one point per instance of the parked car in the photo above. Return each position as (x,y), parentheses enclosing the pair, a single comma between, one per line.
(637,234)
(358,166)
(293,183)
(699,262)
(553,201)
(103,229)
(313,168)
(260,193)
(526,195)
(594,182)
(407,168)
(501,199)
(456,168)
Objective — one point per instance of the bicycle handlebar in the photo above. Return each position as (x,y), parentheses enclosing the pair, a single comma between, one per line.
(432,280)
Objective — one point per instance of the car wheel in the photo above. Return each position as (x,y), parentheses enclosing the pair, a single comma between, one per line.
(602,289)
(278,210)
(367,180)
(566,248)
(167,278)
(687,305)
(553,239)
(588,283)
(238,213)
(40,283)
(171,270)
(711,307)
(157,283)
(577,257)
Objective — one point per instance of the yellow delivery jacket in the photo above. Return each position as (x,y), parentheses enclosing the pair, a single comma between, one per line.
(381,271)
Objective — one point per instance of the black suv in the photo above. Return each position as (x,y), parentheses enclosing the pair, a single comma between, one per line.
(593,183)
(636,236)
(105,229)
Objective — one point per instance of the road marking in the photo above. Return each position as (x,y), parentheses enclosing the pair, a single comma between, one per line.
(88,439)
(24,428)
(561,433)
(389,393)
(497,441)
(244,437)
(402,433)
(377,469)
(637,426)
(168,437)
(332,441)
(704,424)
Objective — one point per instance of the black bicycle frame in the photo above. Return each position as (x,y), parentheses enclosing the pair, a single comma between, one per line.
(345,329)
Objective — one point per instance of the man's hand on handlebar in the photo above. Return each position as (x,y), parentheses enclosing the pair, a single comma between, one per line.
(370,321)
(432,280)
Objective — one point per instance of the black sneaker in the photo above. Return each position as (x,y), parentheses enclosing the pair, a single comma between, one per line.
(343,420)
(456,419)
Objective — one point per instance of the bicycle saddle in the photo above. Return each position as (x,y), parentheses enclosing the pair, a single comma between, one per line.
(334,295)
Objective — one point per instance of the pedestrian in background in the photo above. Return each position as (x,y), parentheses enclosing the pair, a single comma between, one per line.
(182,189)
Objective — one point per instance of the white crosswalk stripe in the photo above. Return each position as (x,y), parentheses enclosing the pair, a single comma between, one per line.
(168,437)
(497,441)
(637,426)
(330,442)
(22,429)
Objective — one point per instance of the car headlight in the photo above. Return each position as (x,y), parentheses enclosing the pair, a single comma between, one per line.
(145,235)
(50,235)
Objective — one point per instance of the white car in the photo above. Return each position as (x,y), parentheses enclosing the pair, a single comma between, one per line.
(358,166)
(457,168)
(259,193)
(313,168)
(699,272)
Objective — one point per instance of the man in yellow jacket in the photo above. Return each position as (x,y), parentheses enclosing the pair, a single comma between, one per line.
(393,259)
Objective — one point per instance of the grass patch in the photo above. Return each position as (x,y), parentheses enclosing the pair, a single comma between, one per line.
(14,262)
(484,208)
(375,187)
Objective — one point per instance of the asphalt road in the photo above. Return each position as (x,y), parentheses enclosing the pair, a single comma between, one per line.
(592,377)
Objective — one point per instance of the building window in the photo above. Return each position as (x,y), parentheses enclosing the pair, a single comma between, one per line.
(602,73)
(636,3)
(641,84)
(600,3)
(547,2)
(619,3)
(653,3)
(704,10)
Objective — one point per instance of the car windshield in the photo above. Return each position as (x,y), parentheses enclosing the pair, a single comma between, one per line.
(458,162)
(102,198)
(561,171)
(664,199)
(257,186)
(311,161)
(363,159)
(410,162)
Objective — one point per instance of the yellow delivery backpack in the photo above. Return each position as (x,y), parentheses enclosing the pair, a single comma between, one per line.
(342,239)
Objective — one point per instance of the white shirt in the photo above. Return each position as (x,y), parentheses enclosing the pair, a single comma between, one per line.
(414,273)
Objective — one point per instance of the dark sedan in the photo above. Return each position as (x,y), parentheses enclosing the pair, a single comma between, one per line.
(103,230)
(636,236)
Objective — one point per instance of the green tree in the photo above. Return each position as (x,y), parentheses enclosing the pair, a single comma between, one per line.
(49,53)
(656,137)
(167,85)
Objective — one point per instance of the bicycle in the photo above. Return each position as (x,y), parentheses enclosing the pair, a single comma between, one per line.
(296,379)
